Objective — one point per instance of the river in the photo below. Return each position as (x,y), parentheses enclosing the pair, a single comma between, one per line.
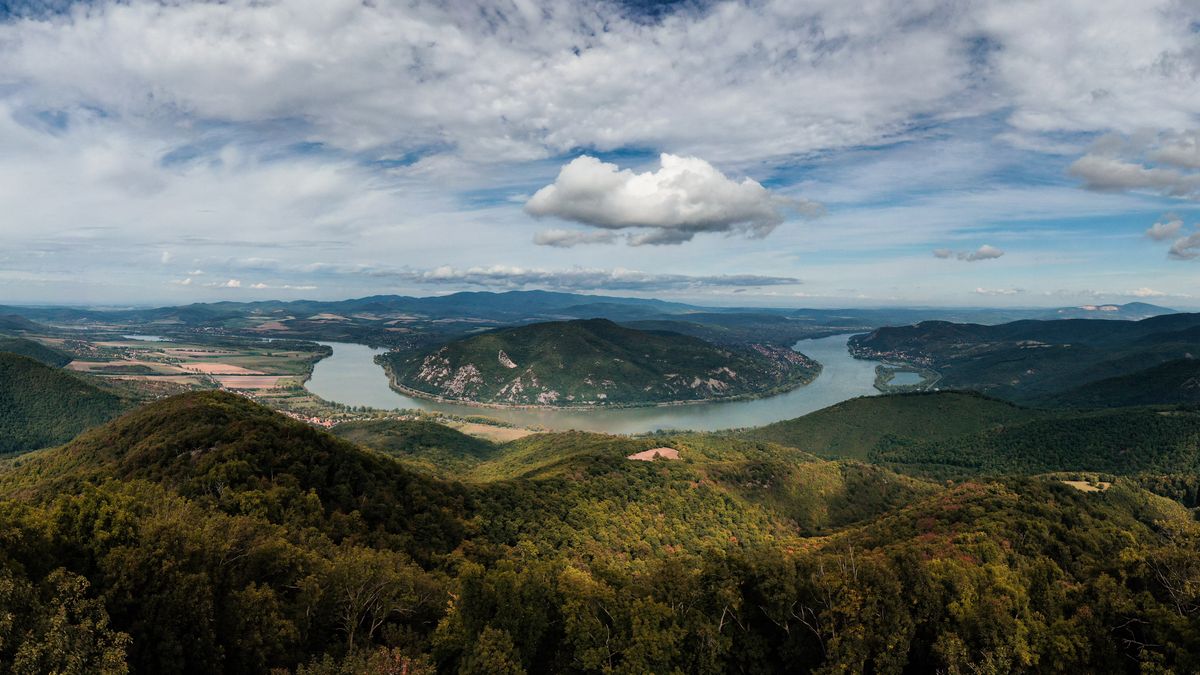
(351,377)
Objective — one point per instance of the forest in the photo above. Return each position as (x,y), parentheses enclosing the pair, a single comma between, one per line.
(205,533)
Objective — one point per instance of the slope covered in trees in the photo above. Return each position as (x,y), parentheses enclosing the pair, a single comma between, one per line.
(42,406)
(594,362)
(428,445)
(1029,361)
(853,428)
(34,350)
(1173,382)
(204,533)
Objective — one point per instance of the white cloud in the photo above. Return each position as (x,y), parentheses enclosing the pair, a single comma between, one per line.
(232,283)
(985,252)
(1145,292)
(685,196)
(999,291)
(569,238)
(1165,229)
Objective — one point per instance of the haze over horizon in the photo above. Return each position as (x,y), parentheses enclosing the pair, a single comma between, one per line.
(722,153)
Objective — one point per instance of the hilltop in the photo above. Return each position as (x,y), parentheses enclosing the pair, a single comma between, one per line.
(41,406)
(594,362)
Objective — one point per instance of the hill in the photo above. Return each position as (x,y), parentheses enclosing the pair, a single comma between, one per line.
(1132,311)
(428,445)
(1028,361)
(593,362)
(205,533)
(224,448)
(34,350)
(1123,442)
(42,406)
(1173,382)
(854,428)
(16,322)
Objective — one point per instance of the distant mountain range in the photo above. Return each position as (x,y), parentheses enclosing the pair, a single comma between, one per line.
(403,321)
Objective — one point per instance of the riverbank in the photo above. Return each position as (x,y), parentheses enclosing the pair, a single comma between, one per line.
(351,377)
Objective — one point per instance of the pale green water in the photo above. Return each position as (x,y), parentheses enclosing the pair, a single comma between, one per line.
(904,378)
(351,377)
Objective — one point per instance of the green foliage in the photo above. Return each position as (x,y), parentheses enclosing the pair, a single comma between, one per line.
(1039,361)
(1173,382)
(1122,442)
(594,362)
(433,447)
(41,406)
(35,350)
(204,533)
(853,428)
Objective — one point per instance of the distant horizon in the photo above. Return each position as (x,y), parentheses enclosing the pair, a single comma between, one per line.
(1015,307)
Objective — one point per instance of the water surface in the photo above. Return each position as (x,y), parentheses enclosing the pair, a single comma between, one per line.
(147,338)
(903,378)
(351,377)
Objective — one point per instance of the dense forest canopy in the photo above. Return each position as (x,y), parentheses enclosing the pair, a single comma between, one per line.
(205,533)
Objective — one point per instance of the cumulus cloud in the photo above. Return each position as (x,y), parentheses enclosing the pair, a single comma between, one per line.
(569,238)
(985,252)
(1161,163)
(1166,228)
(999,291)
(231,283)
(684,197)
(1170,227)
(1185,248)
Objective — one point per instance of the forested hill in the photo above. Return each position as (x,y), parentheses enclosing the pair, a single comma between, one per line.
(34,350)
(204,533)
(1031,361)
(594,362)
(42,406)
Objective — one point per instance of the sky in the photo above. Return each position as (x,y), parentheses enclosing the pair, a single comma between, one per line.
(795,153)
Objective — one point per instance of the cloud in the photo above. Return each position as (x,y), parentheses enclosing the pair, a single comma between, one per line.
(165,257)
(1163,164)
(985,252)
(1186,248)
(685,196)
(1146,293)
(1165,229)
(501,276)
(999,291)
(232,283)
(570,238)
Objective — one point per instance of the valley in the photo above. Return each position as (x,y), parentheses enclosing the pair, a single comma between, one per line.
(271,479)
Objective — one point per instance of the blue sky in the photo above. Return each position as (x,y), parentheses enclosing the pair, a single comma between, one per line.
(774,153)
